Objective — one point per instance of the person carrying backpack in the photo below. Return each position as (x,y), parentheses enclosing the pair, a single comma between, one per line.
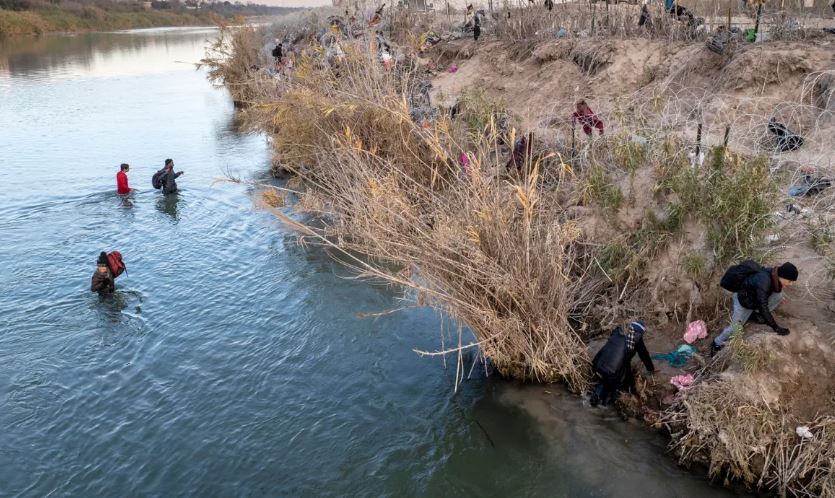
(108,267)
(166,178)
(755,289)
(612,365)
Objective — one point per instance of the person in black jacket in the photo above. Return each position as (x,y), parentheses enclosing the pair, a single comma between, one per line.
(761,292)
(613,363)
(102,281)
(277,52)
(169,183)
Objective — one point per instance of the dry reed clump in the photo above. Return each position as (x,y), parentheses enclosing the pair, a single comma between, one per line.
(486,251)
(232,60)
(750,420)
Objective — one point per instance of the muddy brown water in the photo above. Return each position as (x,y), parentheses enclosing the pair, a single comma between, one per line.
(231,361)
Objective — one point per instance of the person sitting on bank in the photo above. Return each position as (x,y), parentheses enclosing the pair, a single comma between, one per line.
(103,281)
(122,179)
(587,118)
(759,290)
(169,179)
(612,365)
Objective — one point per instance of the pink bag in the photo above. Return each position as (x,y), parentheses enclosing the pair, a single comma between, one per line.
(695,330)
(682,382)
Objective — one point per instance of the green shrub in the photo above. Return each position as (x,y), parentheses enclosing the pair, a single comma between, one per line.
(693,264)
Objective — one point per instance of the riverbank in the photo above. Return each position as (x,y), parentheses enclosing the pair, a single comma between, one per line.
(75,18)
(413,166)
(40,22)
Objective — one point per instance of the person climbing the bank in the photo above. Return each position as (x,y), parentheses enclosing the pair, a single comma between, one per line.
(612,365)
(165,178)
(587,118)
(122,179)
(108,267)
(277,52)
(521,153)
(756,291)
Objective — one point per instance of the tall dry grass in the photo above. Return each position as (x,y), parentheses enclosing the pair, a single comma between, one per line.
(744,433)
(485,250)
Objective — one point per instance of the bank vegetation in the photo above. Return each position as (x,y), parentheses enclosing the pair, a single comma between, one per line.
(537,258)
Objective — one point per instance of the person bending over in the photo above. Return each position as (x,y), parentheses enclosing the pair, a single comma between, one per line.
(612,365)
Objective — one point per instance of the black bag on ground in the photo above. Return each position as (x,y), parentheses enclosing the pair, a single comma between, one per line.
(736,275)
(785,139)
(156,181)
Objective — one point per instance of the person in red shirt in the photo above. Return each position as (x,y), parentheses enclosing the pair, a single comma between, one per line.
(587,118)
(122,179)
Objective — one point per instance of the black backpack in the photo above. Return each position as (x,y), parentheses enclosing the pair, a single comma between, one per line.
(156,181)
(735,276)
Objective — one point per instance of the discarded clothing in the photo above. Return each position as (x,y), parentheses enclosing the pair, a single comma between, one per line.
(682,382)
(785,139)
(810,185)
(677,358)
(720,41)
(804,432)
(695,330)
(464,161)
(422,116)
(429,40)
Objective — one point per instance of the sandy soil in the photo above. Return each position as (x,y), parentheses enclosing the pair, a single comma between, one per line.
(741,89)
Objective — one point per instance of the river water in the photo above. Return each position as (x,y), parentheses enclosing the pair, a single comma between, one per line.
(231,361)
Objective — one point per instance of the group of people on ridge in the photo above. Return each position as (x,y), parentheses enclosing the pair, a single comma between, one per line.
(110,265)
(756,292)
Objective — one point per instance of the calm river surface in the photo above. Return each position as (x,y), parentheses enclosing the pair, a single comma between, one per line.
(231,361)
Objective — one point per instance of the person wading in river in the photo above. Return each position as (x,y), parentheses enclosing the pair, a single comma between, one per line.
(612,365)
(108,267)
(169,183)
(103,281)
(755,290)
(122,179)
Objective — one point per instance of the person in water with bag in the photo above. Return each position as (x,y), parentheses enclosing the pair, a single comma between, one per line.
(108,267)
(165,178)
(756,291)
(612,365)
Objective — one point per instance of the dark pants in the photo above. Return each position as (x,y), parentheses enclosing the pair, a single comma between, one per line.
(608,387)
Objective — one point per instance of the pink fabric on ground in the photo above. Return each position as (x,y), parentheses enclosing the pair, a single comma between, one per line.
(464,161)
(695,330)
(682,382)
